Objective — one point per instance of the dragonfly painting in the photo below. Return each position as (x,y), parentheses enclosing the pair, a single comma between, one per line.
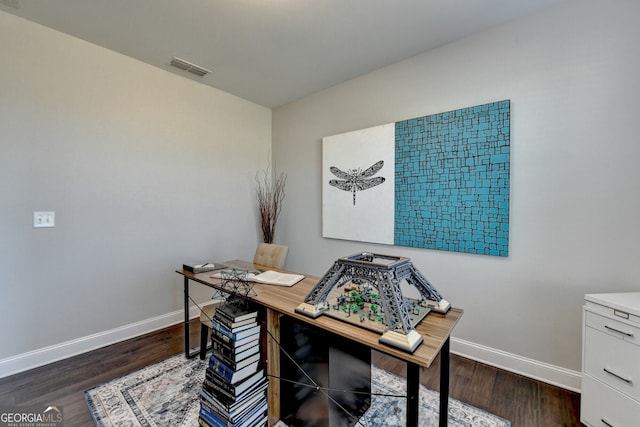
(357,179)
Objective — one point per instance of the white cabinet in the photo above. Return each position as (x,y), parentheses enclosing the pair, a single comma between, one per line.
(611,360)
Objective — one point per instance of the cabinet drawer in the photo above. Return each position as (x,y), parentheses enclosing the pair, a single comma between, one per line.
(622,305)
(612,361)
(613,327)
(602,406)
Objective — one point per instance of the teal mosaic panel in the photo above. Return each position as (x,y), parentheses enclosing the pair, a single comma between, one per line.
(452,180)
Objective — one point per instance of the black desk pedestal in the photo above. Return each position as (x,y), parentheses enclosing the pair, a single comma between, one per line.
(336,365)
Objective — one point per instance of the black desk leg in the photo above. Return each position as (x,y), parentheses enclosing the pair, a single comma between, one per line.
(186,318)
(444,383)
(413,392)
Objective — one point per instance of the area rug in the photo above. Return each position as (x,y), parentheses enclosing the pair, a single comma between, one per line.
(166,394)
(391,411)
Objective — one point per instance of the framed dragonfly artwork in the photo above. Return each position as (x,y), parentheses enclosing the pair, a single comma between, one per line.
(437,182)
(358,183)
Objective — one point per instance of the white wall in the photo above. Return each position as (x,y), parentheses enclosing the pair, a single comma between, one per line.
(144,169)
(571,74)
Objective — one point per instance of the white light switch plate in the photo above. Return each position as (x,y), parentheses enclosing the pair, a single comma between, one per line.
(44,219)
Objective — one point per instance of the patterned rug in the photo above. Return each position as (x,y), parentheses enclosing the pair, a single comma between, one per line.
(166,394)
(391,411)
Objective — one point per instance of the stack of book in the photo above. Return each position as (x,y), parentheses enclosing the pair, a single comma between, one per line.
(201,267)
(234,390)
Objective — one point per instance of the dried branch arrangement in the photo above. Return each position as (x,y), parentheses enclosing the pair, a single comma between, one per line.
(270,191)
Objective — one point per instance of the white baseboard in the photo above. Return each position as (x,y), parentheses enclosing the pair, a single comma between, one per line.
(551,374)
(42,356)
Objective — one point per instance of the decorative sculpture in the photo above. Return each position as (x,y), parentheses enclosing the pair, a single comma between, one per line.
(234,285)
(375,288)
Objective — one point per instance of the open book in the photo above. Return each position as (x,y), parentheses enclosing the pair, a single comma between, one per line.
(268,277)
(275,278)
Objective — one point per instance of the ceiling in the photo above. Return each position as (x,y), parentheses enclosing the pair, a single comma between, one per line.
(272,51)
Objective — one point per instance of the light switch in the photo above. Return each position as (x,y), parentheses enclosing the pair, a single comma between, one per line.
(44,219)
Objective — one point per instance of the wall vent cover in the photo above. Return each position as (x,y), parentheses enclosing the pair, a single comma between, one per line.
(189,66)
(12,3)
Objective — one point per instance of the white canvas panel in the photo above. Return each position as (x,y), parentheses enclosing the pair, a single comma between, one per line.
(371,217)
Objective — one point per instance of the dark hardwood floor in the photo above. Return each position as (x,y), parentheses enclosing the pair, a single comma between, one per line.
(523,401)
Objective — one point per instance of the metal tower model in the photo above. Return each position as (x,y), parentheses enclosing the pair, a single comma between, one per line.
(384,274)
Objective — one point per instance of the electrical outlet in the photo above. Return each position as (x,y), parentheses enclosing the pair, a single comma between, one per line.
(44,219)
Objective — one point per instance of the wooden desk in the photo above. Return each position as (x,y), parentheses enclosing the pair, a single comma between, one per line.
(435,328)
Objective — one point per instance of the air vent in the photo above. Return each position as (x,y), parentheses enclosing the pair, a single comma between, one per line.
(12,3)
(189,67)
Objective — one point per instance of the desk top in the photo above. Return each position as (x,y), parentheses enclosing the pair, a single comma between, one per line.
(435,328)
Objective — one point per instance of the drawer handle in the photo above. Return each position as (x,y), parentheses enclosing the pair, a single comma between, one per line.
(605,422)
(629,334)
(626,380)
